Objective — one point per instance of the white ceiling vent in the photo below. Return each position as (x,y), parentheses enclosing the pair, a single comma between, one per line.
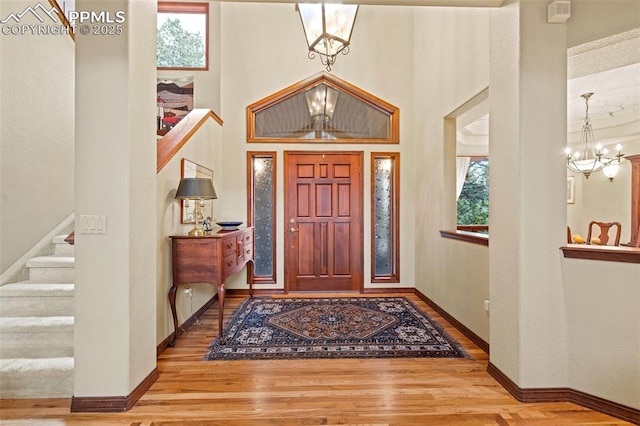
(558,12)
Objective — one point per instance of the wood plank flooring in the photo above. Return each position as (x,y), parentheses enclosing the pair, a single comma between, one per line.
(404,391)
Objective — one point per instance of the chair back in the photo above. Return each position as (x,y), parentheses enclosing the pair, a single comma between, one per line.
(604,228)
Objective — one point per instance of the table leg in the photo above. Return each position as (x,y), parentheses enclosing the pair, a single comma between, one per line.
(221,293)
(253,264)
(172,303)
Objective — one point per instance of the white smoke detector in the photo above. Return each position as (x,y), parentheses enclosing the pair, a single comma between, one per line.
(558,12)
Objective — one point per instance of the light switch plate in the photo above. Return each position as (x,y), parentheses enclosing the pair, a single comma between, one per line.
(92,224)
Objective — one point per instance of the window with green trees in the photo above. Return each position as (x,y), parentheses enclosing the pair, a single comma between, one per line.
(473,203)
(182,41)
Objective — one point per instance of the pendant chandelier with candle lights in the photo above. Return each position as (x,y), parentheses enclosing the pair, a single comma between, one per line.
(589,157)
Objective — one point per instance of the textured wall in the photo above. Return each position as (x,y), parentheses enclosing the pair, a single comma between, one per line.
(116,177)
(36,135)
(379,62)
(451,65)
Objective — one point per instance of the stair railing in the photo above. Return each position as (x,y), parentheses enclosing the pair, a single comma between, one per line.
(175,139)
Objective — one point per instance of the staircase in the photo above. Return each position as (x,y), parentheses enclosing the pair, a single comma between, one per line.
(36,328)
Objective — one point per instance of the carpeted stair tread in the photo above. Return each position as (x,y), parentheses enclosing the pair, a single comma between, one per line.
(36,378)
(37,289)
(35,324)
(48,366)
(51,262)
(61,247)
(60,239)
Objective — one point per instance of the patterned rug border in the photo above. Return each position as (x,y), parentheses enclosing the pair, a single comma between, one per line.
(217,352)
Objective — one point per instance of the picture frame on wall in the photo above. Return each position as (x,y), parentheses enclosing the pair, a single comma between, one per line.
(174,100)
(571,189)
(191,169)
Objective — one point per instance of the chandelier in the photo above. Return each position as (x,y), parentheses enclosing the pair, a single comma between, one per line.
(321,102)
(590,158)
(327,28)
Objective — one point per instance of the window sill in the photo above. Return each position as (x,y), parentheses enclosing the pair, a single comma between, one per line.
(606,253)
(470,237)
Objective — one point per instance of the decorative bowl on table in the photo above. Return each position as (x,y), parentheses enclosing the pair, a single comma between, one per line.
(229,225)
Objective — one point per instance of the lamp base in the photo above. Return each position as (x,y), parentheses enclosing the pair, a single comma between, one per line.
(196,232)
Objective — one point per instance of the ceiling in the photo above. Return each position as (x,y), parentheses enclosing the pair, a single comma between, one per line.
(612,75)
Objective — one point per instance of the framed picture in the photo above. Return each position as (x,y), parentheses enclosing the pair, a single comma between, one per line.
(174,100)
(194,170)
(571,189)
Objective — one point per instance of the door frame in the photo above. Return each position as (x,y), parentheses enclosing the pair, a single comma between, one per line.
(360,157)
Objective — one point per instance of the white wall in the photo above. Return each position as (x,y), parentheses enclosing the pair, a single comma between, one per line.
(451,65)
(613,17)
(204,148)
(602,302)
(253,68)
(114,338)
(36,135)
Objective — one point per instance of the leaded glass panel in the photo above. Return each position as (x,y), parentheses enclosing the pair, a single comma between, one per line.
(263,215)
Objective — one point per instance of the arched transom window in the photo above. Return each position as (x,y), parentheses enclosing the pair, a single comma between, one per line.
(325,109)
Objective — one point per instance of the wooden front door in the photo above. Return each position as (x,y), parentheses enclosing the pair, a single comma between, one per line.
(323,221)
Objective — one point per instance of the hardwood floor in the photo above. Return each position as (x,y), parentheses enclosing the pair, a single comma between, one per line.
(403,391)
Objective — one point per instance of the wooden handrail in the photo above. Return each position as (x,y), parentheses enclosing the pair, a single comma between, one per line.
(171,143)
(71,238)
(63,18)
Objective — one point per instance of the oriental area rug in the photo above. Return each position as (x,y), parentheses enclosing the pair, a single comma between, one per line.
(381,327)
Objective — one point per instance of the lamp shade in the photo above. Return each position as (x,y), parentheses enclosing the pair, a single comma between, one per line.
(190,188)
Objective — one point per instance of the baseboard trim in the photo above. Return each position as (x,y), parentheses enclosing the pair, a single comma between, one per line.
(375,290)
(162,346)
(584,399)
(103,404)
(237,292)
(477,340)
(234,292)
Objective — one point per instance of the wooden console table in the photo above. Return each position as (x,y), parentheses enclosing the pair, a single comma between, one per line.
(208,259)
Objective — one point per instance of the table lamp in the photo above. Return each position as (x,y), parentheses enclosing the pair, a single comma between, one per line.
(197,189)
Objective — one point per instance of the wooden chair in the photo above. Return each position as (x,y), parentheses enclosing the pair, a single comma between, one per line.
(604,232)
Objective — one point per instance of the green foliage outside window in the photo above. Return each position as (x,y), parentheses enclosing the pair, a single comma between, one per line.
(179,48)
(473,203)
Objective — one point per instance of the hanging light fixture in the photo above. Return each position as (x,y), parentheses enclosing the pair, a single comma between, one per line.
(590,158)
(327,28)
(321,102)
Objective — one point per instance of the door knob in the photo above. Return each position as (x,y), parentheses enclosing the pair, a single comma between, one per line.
(293,230)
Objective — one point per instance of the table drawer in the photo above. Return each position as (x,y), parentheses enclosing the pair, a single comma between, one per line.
(228,264)
(229,246)
(247,237)
(248,252)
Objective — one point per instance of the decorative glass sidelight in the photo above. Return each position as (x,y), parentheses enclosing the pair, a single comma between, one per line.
(262,214)
(385,184)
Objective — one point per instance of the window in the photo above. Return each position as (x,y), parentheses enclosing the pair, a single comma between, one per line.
(385,214)
(323,109)
(261,190)
(183,36)
(473,202)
